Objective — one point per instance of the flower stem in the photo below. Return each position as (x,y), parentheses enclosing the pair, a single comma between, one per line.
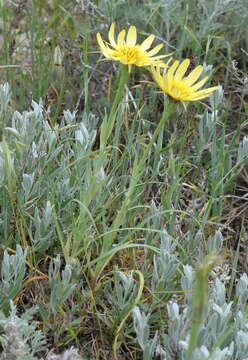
(138,169)
(166,113)
(108,124)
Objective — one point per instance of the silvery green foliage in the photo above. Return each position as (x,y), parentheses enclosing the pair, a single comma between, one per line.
(4,98)
(42,224)
(70,354)
(27,184)
(60,283)
(84,137)
(209,120)
(215,152)
(165,265)
(21,339)
(241,341)
(218,317)
(141,327)
(12,274)
(154,220)
(217,98)
(40,161)
(206,129)
(223,335)
(177,330)
(217,354)
(187,282)
(243,150)
(194,241)
(215,242)
(242,293)
(1,166)
(122,296)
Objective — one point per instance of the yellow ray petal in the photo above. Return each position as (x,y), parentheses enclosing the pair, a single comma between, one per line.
(113,54)
(103,47)
(206,91)
(99,40)
(199,84)
(147,43)
(131,36)
(155,50)
(111,35)
(120,38)
(154,71)
(201,94)
(164,78)
(182,69)
(172,69)
(195,98)
(194,75)
(169,75)
(157,76)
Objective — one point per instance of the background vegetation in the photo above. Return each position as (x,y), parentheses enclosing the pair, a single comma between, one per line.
(155,270)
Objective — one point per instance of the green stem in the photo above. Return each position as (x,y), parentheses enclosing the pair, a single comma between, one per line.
(107,126)
(166,113)
(138,169)
(200,300)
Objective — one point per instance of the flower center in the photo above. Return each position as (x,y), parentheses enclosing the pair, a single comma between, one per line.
(179,89)
(128,54)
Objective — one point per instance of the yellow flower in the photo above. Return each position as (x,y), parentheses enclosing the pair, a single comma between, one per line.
(180,87)
(127,51)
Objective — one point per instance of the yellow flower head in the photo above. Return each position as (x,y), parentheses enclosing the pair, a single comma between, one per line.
(127,51)
(180,87)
